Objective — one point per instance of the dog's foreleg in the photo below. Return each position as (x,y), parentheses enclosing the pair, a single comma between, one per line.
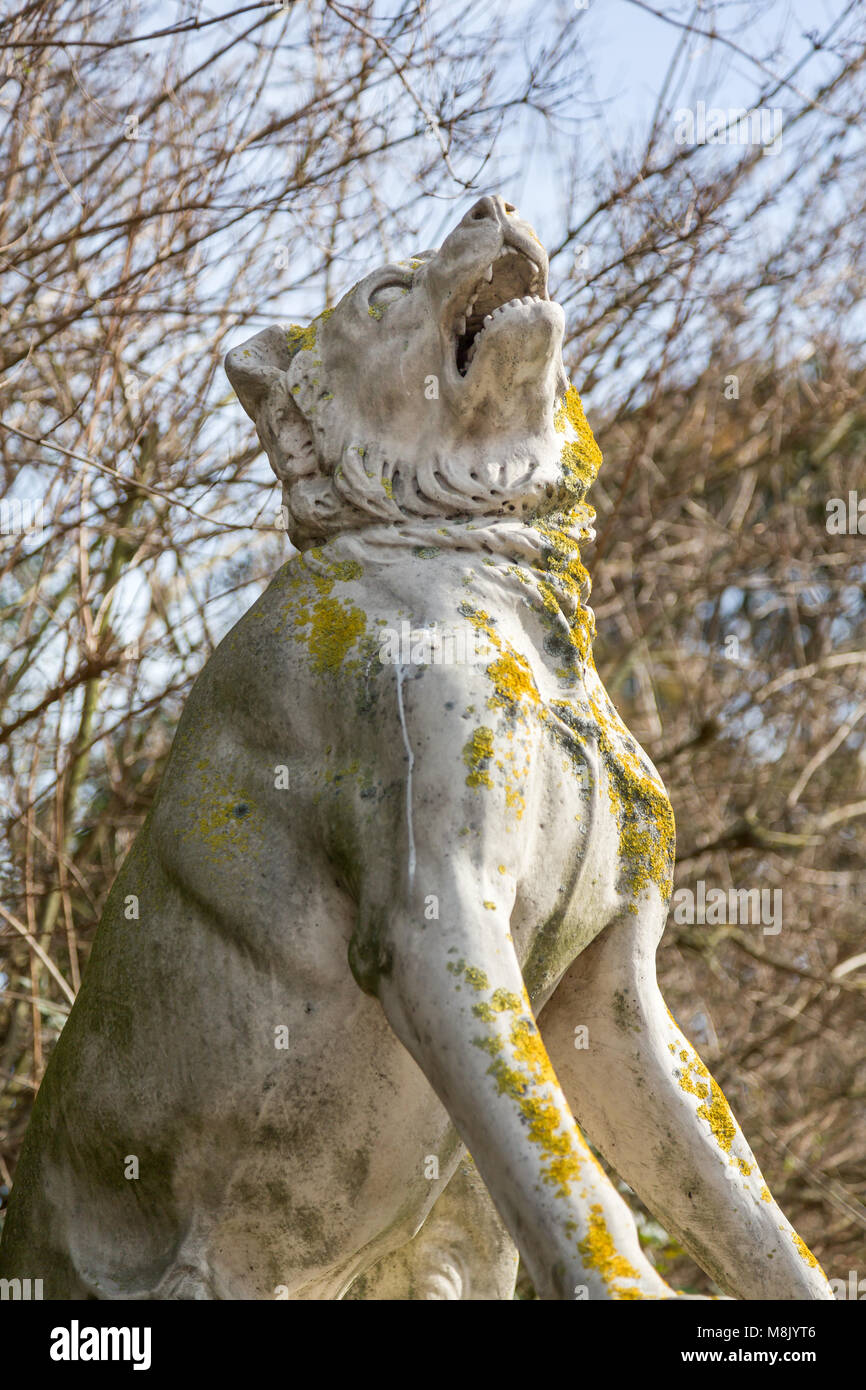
(660,1119)
(453,992)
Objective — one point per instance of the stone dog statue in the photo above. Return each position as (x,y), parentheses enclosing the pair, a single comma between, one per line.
(400,892)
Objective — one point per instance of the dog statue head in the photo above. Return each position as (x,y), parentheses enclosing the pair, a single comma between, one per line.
(434,389)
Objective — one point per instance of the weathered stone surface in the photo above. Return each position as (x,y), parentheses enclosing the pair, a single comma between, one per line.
(404,862)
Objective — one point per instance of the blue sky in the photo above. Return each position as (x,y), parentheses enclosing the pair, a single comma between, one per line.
(628,52)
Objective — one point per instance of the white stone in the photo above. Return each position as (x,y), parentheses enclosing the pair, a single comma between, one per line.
(505,793)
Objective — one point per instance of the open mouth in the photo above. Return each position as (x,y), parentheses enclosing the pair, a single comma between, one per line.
(512,279)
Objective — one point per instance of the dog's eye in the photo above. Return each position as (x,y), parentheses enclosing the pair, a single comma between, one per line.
(383,295)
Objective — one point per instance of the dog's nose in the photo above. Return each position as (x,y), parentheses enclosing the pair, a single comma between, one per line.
(492,208)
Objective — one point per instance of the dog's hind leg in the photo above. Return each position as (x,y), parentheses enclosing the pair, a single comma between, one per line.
(648,1102)
(462,1251)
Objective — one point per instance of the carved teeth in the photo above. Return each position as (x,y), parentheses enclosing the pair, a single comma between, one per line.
(488,319)
(536,283)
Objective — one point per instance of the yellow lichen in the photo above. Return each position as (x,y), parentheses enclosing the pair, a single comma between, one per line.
(477,753)
(570,412)
(476,978)
(714,1108)
(647,831)
(529,1048)
(342,570)
(514,689)
(804,1250)
(334,628)
(544,1123)
(599,1252)
(226,820)
(519,1073)
(512,680)
(471,973)
(503,1000)
(302,339)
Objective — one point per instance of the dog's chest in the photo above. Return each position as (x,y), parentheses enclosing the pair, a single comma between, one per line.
(602,831)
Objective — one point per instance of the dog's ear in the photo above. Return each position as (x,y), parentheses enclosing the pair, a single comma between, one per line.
(257,371)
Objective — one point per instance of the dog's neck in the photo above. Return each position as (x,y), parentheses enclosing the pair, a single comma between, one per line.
(539,561)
